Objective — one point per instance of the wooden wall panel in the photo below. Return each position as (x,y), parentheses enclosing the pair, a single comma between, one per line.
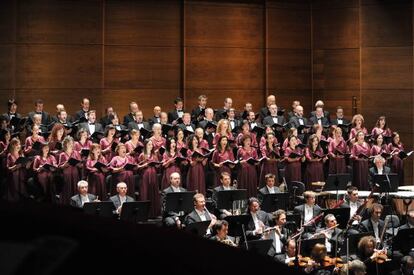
(284,99)
(335,28)
(336,69)
(289,28)
(142,67)
(7,67)
(71,99)
(119,99)
(215,25)
(7,20)
(216,98)
(289,69)
(387,25)
(144,23)
(224,68)
(387,68)
(335,4)
(5,94)
(48,21)
(338,97)
(58,66)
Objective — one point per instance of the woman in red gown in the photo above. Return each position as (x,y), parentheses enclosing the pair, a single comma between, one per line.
(397,164)
(148,189)
(133,146)
(246,131)
(379,147)
(180,140)
(337,149)
(107,142)
(271,152)
(381,128)
(96,177)
(44,176)
(16,173)
(57,135)
(293,165)
(83,146)
(315,160)
(71,173)
(291,132)
(119,173)
(202,143)
(223,129)
(169,162)
(28,149)
(196,174)
(248,172)
(5,137)
(222,153)
(359,153)
(157,139)
(358,125)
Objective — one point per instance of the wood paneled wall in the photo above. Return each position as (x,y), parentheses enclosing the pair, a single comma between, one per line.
(365,49)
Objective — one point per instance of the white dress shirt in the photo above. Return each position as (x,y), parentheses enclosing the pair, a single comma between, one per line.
(92,128)
(202,215)
(354,207)
(271,190)
(308,213)
(376,230)
(84,198)
(278,243)
(275,120)
(176,189)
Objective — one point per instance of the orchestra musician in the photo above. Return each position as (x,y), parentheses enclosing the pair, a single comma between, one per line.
(171,218)
(200,212)
(278,234)
(308,210)
(82,196)
(225,181)
(269,188)
(120,197)
(290,253)
(374,223)
(259,220)
(331,233)
(220,231)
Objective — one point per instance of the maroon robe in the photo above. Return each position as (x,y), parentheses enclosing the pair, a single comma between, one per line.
(71,176)
(148,189)
(16,180)
(44,177)
(96,179)
(253,137)
(196,179)
(219,157)
(397,164)
(173,167)
(123,176)
(360,166)
(157,142)
(28,151)
(354,132)
(247,177)
(337,163)
(268,165)
(104,143)
(376,131)
(314,169)
(293,169)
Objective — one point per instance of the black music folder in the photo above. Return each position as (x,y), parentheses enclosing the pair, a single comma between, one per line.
(102,209)
(135,211)
(179,201)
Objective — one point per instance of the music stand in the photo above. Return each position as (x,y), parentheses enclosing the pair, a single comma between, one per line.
(341,215)
(292,221)
(307,245)
(404,241)
(353,240)
(336,182)
(135,211)
(387,182)
(101,209)
(260,246)
(225,198)
(179,201)
(273,202)
(198,228)
(237,224)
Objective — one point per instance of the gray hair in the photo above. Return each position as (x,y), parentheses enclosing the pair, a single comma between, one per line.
(82,183)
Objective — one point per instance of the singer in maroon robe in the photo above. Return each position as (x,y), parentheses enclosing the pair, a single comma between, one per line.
(71,173)
(157,140)
(44,176)
(148,189)
(196,179)
(379,147)
(83,143)
(169,162)
(337,149)
(360,163)
(248,172)
(222,153)
(16,173)
(358,126)
(5,137)
(314,162)
(293,165)
(95,176)
(397,164)
(119,173)
(381,128)
(28,145)
(272,154)
(56,137)
(107,142)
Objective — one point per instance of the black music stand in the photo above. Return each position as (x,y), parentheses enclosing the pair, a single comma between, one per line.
(307,245)
(292,221)
(341,215)
(198,228)
(179,201)
(273,202)
(101,209)
(336,182)
(225,198)
(135,211)
(387,182)
(404,241)
(353,240)
(237,226)
(260,246)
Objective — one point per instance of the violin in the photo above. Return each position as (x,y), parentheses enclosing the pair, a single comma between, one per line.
(333,261)
(379,256)
(302,261)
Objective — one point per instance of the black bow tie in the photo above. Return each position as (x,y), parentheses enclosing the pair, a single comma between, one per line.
(91,123)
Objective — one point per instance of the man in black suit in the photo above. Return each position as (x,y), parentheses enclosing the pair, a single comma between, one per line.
(352,202)
(209,117)
(319,118)
(374,223)
(248,107)
(326,114)
(200,212)
(222,113)
(138,122)
(12,110)
(251,118)
(292,113)
(265,111)
(379,168)
(82,196)
(122,197)
(298,121)
(197,113)
(331,233)
(410,220)
(340,119)
(133,108)
(225,180)
(83,112)
(273,118)
(309,209)
(156,117)
(106,120)
(269,188)
(178,111)
(233,121)
(171,218)
(59,109)
(290,253)
(258,222)
(187,125)
(91,126)
(39,110)
(220,231)
(278,234)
